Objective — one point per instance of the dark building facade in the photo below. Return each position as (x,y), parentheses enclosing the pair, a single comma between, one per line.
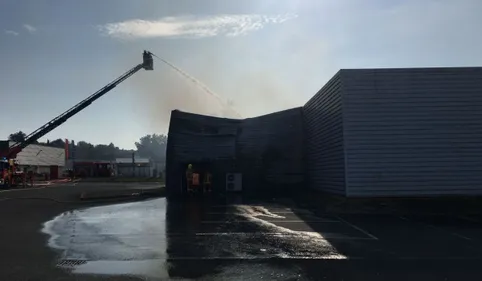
(366,133)
(267,150)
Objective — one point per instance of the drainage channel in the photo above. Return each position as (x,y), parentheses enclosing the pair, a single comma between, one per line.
(70,262)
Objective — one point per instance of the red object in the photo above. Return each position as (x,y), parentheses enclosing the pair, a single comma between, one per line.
(54,172)
(66,149)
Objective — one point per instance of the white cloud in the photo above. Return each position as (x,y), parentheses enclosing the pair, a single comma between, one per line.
(11,32)
(193,27)
(29,28)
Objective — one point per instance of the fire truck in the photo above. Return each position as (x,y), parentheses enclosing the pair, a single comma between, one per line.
(10,174)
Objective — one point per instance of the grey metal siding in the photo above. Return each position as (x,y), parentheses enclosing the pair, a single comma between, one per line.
(413,132)
(323,124)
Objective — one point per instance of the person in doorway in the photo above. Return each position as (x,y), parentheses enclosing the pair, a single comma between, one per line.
(207,182)
(189,174)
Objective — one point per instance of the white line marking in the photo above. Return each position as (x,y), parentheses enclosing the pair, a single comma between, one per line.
(283,234)
(234,212)
(251,234)
(327,257)
(251,205)
(469,219)
(275,221)
(357,228)
(332,236)
(438,229)
(439,258)
(461,236)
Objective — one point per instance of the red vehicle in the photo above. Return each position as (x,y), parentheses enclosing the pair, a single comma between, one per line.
(10,175)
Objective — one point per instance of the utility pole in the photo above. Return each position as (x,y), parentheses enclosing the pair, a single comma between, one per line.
(133,165)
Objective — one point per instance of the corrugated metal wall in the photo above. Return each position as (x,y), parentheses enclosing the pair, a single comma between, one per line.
(324,139)
(196,138)
(268,150)
(413,132)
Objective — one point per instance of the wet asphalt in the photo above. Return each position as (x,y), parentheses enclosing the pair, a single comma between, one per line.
(211,240)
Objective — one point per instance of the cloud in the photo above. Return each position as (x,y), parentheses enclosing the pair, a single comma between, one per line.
(192,26)
(11,32)
(29,28)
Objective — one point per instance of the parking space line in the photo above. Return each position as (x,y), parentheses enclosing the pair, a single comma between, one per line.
(469,219)
(283,234)
(438,228)
(250,205)
(272,212)
(326,257)
(357,228)
(461,236)
(228,212)
(272,221)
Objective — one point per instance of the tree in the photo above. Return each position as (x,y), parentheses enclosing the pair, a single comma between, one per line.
(85,150)
(17,137)
(57,143)
(152,146)
(88,151)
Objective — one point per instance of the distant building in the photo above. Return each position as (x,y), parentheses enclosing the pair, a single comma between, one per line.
(42,159)
(92,168)
(140,167)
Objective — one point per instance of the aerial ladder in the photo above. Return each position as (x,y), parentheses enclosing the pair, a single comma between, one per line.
(9,174)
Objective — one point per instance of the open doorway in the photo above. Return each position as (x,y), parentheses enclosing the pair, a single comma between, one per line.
(206,174)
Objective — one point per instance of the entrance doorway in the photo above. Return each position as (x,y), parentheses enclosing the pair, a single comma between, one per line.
(202,169)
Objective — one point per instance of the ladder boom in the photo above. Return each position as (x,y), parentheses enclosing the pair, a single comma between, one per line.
(59,120)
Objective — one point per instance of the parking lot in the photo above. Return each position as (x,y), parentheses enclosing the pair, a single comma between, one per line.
(313,245)
(290,232)
(268,240)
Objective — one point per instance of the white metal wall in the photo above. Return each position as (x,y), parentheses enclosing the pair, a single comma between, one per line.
(138,172)
(39,155)
(413,132)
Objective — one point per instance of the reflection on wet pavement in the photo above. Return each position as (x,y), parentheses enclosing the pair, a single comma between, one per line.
(155,240)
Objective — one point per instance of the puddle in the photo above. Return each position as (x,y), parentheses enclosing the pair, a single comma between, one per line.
(301,243)
(117,239)
(131,239)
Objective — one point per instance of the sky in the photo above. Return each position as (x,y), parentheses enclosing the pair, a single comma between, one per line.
(254,56)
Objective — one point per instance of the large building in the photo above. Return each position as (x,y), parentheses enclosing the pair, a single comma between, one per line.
(266,149)
(367,132)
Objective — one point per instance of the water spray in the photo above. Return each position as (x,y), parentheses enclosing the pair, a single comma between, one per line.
(200,85)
